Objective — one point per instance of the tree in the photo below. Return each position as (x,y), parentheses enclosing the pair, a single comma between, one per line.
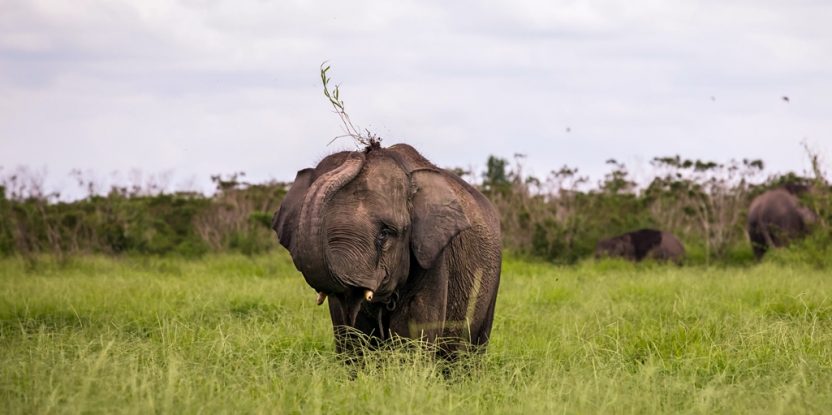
(495,179)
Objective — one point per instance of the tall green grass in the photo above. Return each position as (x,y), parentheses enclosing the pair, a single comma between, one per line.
(235,334)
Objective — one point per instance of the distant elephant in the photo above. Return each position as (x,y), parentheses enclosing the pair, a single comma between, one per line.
(398,245)
(776,217)
(641,244)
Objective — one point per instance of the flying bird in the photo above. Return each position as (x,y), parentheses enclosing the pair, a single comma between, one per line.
(785,98)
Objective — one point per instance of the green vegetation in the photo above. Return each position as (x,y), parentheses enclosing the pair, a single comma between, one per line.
(137,220)
(559,218)
(237,334)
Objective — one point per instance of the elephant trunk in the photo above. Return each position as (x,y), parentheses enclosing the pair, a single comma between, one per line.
(312,260)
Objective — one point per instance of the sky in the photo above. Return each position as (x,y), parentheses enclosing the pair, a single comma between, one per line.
(177,91)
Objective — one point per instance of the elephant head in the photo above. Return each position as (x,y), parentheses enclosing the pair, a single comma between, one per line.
(618,247)
(634,245)
(358,222)
(809,217)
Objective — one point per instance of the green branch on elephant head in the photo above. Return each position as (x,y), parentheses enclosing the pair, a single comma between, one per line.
(369,140)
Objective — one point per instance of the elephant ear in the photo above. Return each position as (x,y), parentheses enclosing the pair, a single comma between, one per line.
(437,216)
(285,220)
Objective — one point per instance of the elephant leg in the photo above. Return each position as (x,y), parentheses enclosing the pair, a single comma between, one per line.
(760,240)
(422,308)
(481,336)
(474,266)
(353,328)
(759,250)
(452,305)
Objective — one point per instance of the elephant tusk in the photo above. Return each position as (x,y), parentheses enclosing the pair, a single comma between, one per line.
(320,299)
(368,295)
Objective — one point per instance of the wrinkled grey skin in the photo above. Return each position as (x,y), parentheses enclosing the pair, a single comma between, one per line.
(643,244)
(775,218)
(425,242)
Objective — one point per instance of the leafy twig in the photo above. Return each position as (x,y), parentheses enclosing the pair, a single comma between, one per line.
(333,94)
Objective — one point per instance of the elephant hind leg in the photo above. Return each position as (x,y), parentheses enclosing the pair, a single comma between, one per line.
(760,240)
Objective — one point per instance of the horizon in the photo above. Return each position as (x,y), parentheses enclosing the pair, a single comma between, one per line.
(137,182)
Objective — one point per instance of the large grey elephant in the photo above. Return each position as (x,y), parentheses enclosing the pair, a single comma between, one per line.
(397,245)
(642,244)
(776,217)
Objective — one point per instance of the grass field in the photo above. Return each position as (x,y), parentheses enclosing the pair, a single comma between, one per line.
(232,334)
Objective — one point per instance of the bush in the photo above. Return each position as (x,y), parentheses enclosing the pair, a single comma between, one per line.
(136,222)
(703,203)
(814,251)
(559,218)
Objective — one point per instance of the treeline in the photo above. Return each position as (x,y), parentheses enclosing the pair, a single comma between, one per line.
(138,220)
(562,216)
(559,217)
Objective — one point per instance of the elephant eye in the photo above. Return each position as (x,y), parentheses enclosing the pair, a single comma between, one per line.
(383,234)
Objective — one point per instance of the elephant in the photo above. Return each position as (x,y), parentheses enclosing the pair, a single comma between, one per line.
(776,217)
(641,244)
(398,246)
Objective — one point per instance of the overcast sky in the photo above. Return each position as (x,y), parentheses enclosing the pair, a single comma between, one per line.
(199,87)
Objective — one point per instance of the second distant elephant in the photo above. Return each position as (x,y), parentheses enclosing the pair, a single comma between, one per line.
(642,244)
(776,217)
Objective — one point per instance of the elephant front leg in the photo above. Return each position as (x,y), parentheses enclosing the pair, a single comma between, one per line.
(421,314)
(353,330)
